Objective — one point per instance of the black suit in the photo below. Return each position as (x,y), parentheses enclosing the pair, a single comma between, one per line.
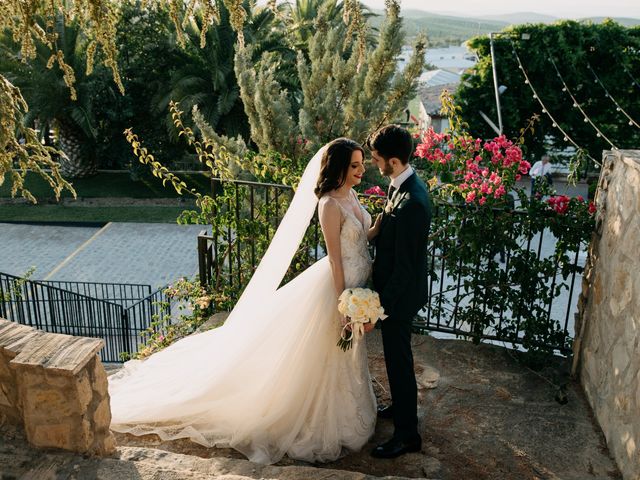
(400,277)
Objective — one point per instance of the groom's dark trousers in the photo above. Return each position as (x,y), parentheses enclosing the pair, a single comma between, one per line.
(400,277)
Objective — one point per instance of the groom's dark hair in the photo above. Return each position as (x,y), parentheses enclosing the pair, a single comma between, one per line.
(392,141)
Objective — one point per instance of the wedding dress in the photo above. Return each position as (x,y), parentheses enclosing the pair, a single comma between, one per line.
(271,381)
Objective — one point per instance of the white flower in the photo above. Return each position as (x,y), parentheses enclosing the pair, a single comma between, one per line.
(361,305)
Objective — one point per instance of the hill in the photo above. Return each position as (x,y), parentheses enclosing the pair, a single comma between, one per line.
(453,30)
(520,17)
(442,29)
(627,22)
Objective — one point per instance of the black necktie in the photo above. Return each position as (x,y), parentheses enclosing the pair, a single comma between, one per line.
(391,190)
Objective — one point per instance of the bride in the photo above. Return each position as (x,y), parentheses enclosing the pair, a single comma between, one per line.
(271,381)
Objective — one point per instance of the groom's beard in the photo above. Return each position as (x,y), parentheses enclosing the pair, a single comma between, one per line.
(387,170)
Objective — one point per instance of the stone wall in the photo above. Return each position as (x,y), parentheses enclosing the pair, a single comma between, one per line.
(607,344)
(55,387)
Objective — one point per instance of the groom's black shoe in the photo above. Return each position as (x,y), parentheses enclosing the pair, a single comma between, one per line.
(396,447)
(385,411)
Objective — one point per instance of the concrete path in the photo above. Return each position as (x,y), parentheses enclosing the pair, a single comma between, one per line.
(147,253)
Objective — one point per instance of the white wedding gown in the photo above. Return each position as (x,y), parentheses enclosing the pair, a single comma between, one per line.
(271,381)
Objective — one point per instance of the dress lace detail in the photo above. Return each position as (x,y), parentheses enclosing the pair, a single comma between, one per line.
(356,260)
(265,386)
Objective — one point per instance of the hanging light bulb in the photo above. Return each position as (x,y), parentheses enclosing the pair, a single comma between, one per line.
(630,122)
(617,109)
(526,82)
(544,111)
(555,125)
(598,135)
(585,120)
(566,139)
(575,105)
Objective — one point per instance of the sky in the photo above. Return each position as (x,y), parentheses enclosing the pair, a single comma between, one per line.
(556,8)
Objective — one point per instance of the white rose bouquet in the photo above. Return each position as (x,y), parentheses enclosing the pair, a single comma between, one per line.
(360,306)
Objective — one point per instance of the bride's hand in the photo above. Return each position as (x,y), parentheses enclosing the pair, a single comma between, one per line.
(344,320)
(375,228)
(368,327)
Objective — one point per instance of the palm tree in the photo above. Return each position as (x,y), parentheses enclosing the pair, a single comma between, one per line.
(302,14)
(50,99)
(207,78)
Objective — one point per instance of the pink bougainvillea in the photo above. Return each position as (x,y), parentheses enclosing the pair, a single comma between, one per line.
(562,204)
(481,170)
(375,191)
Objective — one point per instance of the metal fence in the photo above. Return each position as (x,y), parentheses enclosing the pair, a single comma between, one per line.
(447,284)
(227,257)
(117,313)
(223,254)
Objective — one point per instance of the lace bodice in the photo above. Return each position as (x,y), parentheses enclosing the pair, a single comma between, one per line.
(356,261)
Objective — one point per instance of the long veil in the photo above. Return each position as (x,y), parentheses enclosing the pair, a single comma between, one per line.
(276,260)
(271,380)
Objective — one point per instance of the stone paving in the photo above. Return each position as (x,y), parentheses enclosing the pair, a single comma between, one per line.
(147,253)
(43,247)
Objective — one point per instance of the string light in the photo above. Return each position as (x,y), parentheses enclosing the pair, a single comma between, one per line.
(633,80)
(577,105)
(546,111)
(631,121)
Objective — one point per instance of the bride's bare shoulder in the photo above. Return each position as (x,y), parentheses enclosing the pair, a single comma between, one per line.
(326,197)
(328,206)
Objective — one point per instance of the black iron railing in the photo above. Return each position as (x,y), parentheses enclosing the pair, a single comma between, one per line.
(450,291)
(117,313)
(228,257)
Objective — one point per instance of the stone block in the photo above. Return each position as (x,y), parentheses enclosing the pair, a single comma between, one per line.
(56,387)
(52,436)
(598,294)
(84,390)
(7,396)
(84,436)
(621,291)
(5,371)
(99,377)
(105,446)
(10,416)
(102,415)
(47,402)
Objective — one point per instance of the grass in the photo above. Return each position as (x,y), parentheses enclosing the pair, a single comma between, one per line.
(62,213)
(111,184)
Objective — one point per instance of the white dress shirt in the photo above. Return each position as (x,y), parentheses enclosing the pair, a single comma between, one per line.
(539,169)
(399,180)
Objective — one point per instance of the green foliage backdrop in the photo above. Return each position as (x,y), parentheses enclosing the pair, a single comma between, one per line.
(613,52)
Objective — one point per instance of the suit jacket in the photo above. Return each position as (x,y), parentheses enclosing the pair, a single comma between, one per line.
(400,265)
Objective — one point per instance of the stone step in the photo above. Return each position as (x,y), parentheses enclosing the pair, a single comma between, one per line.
(18,460)
(63,354)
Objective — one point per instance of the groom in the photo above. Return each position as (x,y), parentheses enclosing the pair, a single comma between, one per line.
(400,278)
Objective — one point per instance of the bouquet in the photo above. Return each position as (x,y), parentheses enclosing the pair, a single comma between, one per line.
(360,306)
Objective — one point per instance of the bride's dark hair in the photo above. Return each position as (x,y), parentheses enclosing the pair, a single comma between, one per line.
(335,164)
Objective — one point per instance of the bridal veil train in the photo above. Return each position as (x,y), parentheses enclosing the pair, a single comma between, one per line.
(271,381)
